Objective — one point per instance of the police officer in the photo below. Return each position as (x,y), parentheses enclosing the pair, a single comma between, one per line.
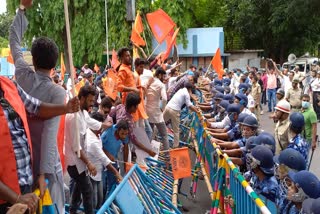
(219,129)
(294,96)
(242,99)
(226,81)
(249,128)
(288,160)
(222,111)
(280,94)
(235,132)
(281,133)
(301,185)
(296,141)
(260,162)
(229,97)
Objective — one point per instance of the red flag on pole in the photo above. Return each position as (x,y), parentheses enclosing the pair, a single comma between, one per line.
(161,24)
(217,63)
(136,30)
(171,40)
(114,60)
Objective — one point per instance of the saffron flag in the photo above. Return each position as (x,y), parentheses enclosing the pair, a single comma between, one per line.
(217,64)
(161,24)
(114,60)
(170,42)
(110,84)
(63,67)
(78,86)
(60,140)
(10,58)
(136,30)
(180,162)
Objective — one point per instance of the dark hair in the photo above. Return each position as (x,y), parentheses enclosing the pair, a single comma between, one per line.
(44,53)
(169,58)
(159,71)
(196,77)
(255,77)
(106,103)
(121,51)
(122,124)
(188,85)
(97,116)
(139,61)
(133,99)
(306,96)
(87,90)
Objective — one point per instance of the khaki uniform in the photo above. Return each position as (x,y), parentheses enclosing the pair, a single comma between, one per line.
(298,76)
(256,94)
(294,98)
(281,135)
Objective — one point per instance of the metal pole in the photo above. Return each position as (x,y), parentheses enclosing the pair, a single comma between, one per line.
(107,44)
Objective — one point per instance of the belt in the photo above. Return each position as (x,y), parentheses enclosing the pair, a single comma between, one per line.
(296,107)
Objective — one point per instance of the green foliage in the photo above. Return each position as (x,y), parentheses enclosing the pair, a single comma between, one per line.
(277,26)
(3,42)
(5,22)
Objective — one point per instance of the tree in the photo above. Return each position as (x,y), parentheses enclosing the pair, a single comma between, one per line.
(279,27)
(5,21)
(3,42)
(46,18)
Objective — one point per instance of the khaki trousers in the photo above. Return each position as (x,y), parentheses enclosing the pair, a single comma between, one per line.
(174,116)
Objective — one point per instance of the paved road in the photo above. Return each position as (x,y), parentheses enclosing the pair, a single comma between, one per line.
(202,202)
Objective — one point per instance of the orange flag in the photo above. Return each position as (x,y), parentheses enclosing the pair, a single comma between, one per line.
(78,86)
(114,61)
(10,58)
(181,163)
(161,24)
(110,84)
(136,30)
(170,43)
(96,68)
(127,167)
(63,67)
(217,64)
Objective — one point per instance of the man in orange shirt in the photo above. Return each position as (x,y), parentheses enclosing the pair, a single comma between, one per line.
(128,82)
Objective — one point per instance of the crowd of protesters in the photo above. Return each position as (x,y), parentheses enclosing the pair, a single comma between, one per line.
(149,95)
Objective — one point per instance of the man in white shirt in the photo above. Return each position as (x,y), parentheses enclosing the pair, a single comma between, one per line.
(173,109)
(78,167)
(155,93)
(100,160)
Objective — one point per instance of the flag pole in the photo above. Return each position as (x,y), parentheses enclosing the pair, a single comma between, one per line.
(66,15)
(107,43)
(154,50)
(208,69)
(144,36)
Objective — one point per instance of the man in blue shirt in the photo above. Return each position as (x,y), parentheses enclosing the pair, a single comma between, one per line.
(113,139)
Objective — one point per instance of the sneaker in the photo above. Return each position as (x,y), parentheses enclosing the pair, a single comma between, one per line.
(261,113)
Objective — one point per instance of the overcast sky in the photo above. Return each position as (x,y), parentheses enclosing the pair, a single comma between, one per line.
(3,6)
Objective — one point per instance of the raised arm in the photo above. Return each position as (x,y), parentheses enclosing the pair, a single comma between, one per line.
(17,30)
